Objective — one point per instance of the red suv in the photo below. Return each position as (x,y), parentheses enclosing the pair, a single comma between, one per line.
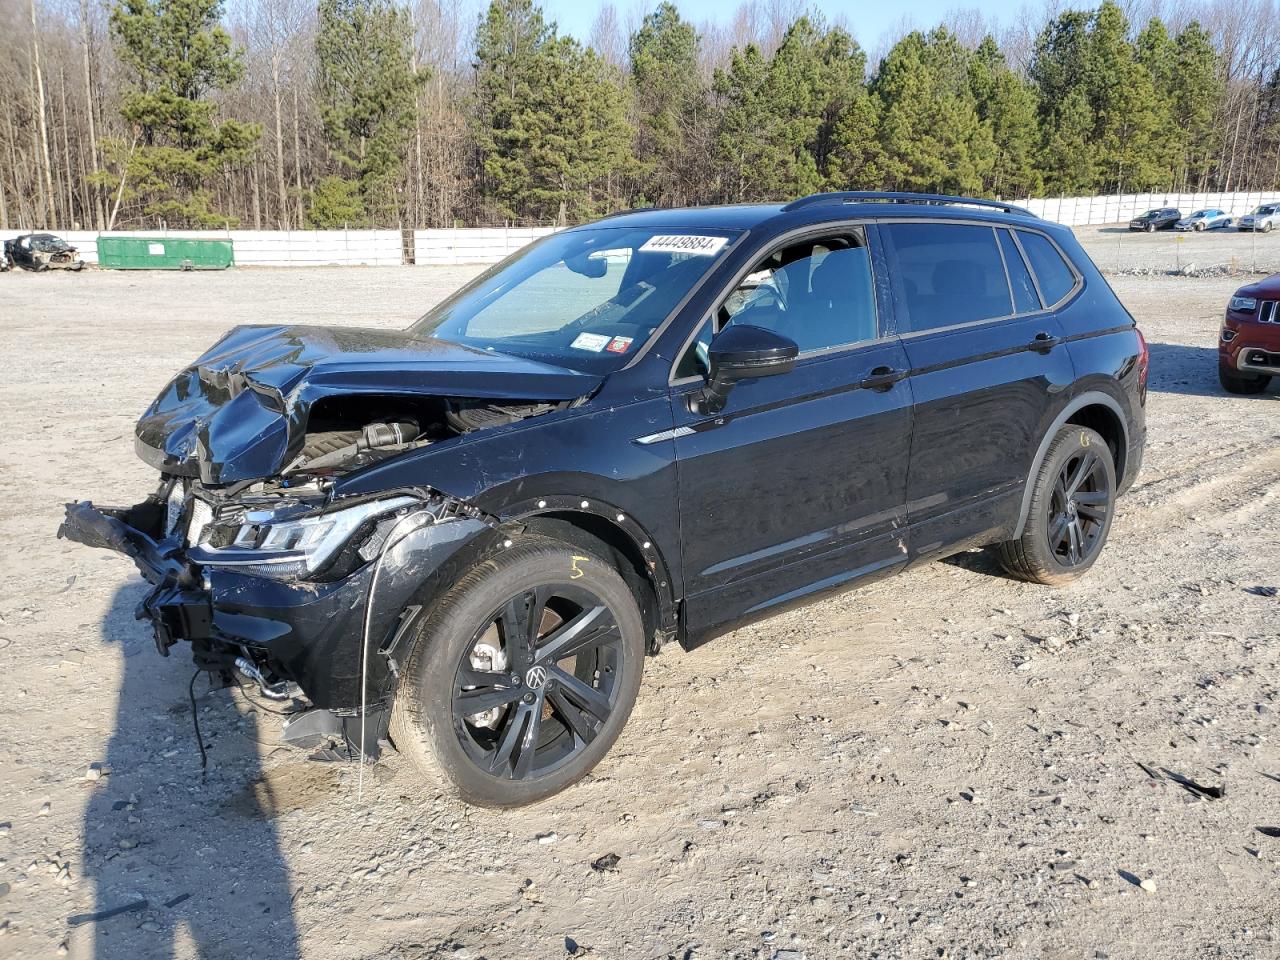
(1249,346)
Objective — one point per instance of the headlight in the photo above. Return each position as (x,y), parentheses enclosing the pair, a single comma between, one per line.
(1244,303)
(295,548)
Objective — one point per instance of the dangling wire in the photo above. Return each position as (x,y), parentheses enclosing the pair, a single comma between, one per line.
(195,720)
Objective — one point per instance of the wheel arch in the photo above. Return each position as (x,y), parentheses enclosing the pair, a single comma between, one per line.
(603,528)
(1096,410)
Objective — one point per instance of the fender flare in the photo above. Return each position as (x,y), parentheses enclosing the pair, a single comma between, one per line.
(1091,398)
(646,546)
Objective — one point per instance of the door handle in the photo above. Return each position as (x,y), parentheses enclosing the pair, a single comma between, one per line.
(1044,342)
(882,379)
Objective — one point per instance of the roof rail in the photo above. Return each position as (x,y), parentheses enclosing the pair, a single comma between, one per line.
(873,196)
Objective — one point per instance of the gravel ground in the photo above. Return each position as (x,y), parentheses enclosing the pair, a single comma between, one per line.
(1115,250)
(947,764)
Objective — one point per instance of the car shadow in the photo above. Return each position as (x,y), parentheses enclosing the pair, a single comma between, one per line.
(189,864)
(1193,371)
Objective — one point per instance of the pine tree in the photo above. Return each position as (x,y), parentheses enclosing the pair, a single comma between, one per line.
(671,101)
(931,137)
(1196,90)
(780,118)
(1157,54)
(1127,121)
(1067,158)
(551,120)
(1006,105)
(176,55)
(366,84)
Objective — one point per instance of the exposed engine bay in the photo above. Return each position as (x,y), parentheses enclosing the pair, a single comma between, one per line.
(332,445)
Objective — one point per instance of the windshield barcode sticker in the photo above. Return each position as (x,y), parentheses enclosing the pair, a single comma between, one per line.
(685,243)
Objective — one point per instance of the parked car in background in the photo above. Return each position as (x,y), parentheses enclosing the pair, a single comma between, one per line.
(1249,344)
(1266,218)
(1204,220)
(42,251)
(465,536)
(1162,218)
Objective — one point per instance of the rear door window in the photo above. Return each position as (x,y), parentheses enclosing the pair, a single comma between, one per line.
(947,274)
(1025,298)
(1055,277)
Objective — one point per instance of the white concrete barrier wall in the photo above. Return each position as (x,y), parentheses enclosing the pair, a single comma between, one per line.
(302,248)
(462,245)
(1121,208)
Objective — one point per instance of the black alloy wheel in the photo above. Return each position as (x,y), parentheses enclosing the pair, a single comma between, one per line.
(1070,506)
(559,653)
(1078,509)
(523,675)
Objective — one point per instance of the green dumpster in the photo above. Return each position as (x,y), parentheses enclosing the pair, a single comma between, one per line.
(164,253)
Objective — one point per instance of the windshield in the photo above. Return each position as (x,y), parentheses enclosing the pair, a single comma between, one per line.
(1264,211)
(584,299)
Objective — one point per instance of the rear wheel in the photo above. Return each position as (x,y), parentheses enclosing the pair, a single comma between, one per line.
(1072,502)
(1233,383)
(523,676)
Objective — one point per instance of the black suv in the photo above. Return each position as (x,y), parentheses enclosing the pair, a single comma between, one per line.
(465,537)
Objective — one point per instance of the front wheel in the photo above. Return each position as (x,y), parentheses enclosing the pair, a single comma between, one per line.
(1072,502)
(1199,227)
(523,676)
(1266,227)
(1151,228)
(1247,386)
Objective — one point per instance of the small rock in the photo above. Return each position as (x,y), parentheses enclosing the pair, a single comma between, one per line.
(44,809)
(63,949)
(149,925)
(4,890)
(711,824)
(1148,885)
(127,843)
(546,838)
(788,955)
(607,863)
(93,773)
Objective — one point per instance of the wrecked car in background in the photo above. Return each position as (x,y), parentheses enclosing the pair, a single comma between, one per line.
(466,537)
(42,251)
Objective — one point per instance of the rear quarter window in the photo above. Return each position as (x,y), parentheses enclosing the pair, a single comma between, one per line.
(948,273)
(1056,278)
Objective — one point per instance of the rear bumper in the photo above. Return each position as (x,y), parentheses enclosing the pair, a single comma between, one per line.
(324,636)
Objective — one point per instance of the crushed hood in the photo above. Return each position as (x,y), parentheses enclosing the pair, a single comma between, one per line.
(240,411)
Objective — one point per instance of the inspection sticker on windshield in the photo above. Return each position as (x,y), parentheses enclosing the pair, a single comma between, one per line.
(685,243)
(619,345)
(595,342)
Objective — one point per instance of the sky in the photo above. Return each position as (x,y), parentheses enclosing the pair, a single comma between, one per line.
(870,22)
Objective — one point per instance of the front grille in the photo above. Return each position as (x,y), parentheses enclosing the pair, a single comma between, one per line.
(1267,312)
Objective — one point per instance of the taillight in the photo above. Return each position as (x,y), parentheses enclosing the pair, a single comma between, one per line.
(1144,360)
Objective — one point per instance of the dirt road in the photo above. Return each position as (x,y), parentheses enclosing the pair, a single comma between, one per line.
(946,764)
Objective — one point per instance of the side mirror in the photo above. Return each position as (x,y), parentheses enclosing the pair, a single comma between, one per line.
(743,352)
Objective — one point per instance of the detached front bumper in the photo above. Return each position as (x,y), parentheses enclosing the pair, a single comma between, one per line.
(325,636)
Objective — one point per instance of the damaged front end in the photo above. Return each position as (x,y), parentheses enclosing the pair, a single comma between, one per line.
(253,556)
(293,588)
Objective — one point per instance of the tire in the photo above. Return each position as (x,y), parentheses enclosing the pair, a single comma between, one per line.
(1151,228)
(1046,553)
(1200,227)
(1266,227)
(1247,386)
(482,616)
